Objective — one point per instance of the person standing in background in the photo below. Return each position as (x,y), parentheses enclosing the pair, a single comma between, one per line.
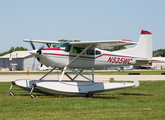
(28,72)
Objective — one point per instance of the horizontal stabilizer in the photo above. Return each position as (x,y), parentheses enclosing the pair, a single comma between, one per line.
(159,61)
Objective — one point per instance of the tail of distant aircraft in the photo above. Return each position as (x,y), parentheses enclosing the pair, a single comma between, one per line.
(143,49)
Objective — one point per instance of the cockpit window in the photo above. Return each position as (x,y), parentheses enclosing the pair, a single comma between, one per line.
(64,46)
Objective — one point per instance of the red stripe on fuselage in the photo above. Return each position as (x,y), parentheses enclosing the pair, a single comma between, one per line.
(92,57)
(52,49)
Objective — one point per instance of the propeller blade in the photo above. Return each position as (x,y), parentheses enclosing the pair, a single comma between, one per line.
(41,47)
(32,45)
(39,50)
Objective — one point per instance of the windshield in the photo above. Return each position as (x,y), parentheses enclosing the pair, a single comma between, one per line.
(64,46)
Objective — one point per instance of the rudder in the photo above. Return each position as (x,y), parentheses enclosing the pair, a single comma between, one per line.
(144,46)
(143,49)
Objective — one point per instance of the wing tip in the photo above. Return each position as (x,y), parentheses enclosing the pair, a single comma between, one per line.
(26,40)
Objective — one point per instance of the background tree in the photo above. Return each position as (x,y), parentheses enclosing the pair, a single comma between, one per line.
(159,52)
(12,49)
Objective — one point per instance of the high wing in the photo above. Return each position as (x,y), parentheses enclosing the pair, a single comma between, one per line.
(41,41)
(103,43)
(99,44)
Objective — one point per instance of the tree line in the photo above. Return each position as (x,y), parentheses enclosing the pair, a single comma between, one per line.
(159,52)
(12,49)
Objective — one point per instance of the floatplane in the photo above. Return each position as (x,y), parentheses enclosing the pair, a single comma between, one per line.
(83,55)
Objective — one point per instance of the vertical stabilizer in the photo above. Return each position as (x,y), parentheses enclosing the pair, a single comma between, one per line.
(143,48)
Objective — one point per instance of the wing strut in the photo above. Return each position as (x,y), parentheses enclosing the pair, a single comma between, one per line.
(74,60)
(80,54)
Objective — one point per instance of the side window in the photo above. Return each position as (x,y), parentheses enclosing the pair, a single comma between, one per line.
(90,52)
(98,52)
(77,50)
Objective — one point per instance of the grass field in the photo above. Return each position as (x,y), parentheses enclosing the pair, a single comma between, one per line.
(144,102)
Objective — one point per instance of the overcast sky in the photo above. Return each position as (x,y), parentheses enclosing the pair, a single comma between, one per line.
(80,19)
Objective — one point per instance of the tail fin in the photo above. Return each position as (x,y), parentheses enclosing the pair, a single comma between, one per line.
(143,48)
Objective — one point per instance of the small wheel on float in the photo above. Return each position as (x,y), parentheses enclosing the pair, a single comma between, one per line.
(33,96)
(12,94)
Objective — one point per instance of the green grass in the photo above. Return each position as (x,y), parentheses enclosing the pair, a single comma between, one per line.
(147,72)
(144,102)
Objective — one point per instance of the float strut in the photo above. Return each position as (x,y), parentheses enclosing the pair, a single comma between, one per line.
(13,83)
(32,96)
(47,73)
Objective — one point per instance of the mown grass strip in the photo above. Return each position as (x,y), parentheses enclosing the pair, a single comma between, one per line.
(144,102)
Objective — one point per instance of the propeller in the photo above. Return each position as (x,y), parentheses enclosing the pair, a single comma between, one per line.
(38,51)
(32,45)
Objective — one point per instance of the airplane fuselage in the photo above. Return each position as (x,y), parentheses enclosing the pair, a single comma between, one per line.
(59,58)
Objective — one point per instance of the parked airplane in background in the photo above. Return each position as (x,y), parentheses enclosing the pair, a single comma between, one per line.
(122,68)
(44,68)
(82,55)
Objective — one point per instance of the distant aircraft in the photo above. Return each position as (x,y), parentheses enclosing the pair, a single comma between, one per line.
(121,68)
(82,55)
(44,68)
(149,67)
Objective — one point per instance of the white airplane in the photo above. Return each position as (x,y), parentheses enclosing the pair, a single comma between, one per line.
(82,55)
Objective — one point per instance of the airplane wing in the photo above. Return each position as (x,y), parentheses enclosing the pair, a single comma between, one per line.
(103,43)
(41,41)
(99,44)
